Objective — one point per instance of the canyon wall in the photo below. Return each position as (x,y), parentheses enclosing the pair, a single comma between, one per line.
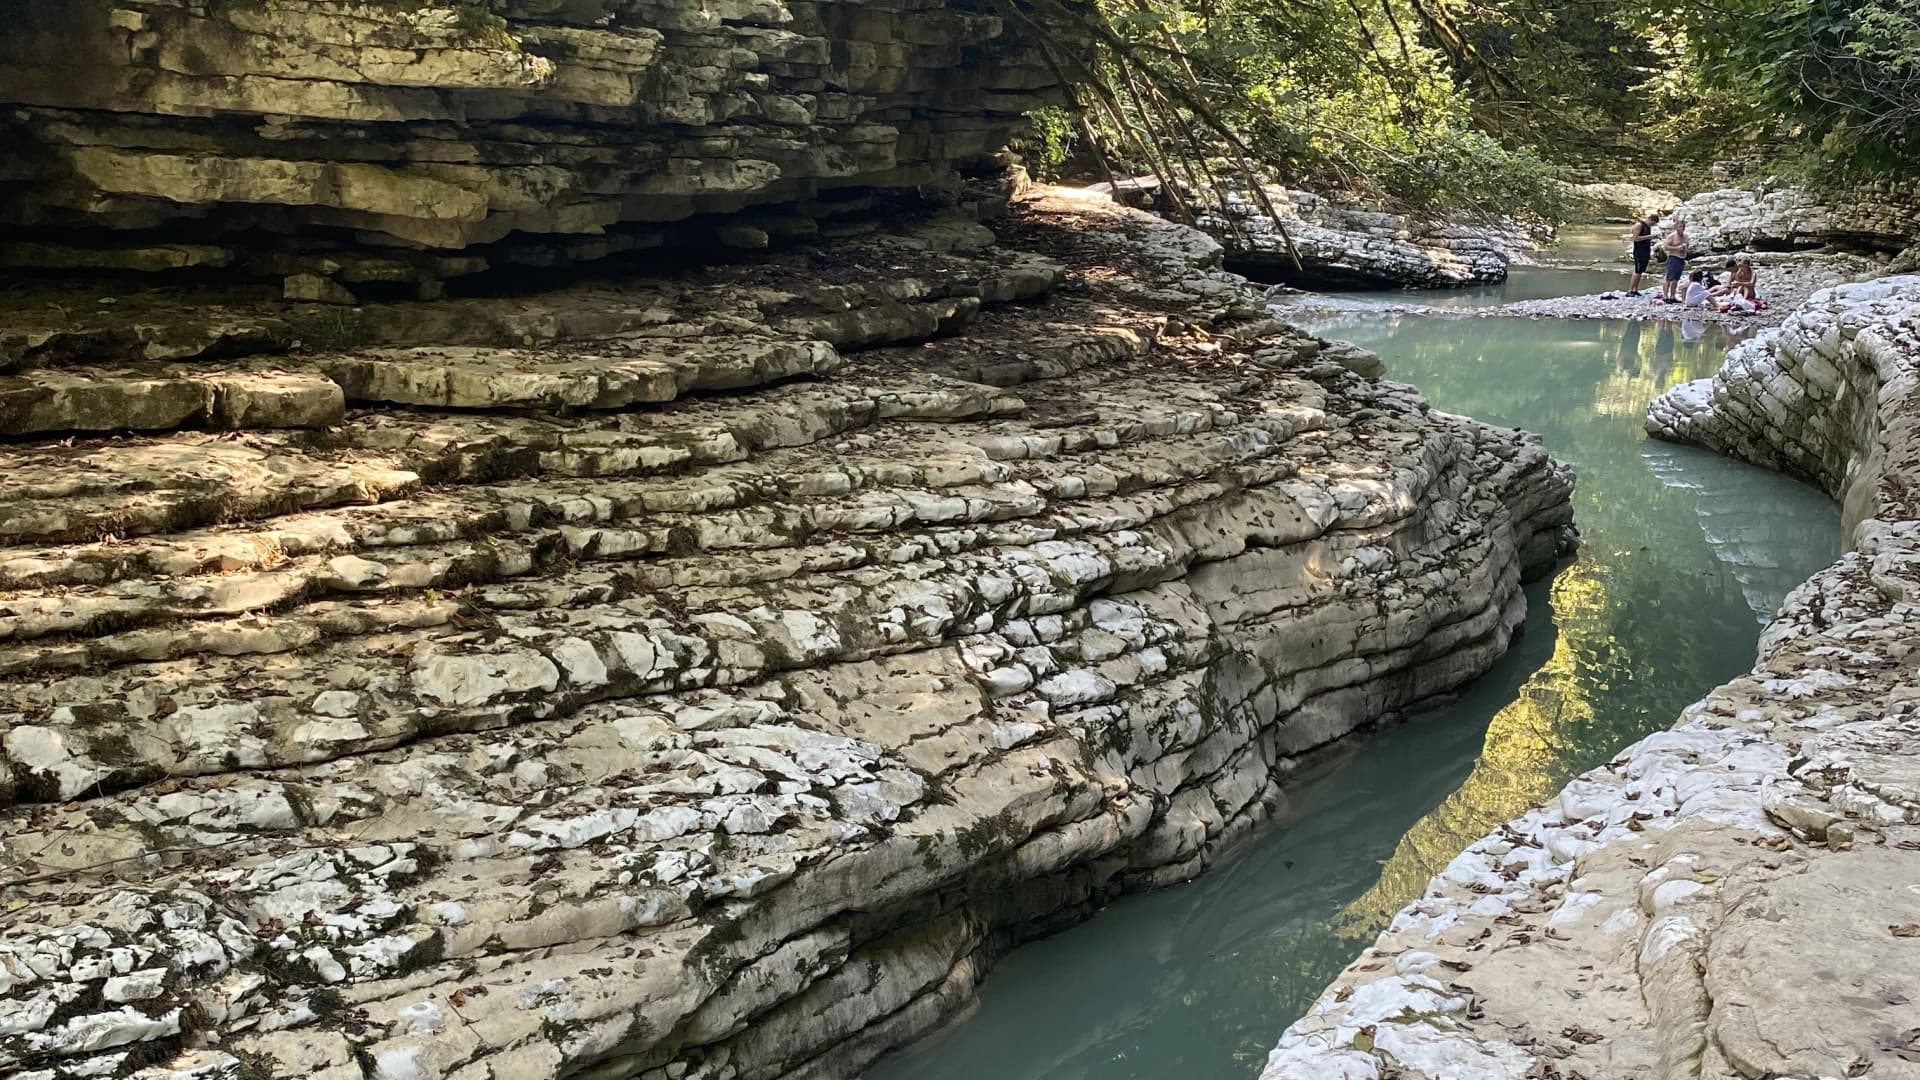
(1883,216)
(1738,896)
(703,676)
(699,671)
(395,144)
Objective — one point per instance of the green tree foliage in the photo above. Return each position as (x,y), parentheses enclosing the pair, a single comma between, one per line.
(1336,94)
(1838,77)
(1568,70)
(1460,105)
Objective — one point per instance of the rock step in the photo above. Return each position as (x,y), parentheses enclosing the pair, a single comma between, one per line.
(861,533)
(875,291)
(1023,354)
(610,374)
(135,486)
(459,667)
(139,486)
(650,359)
(170,476)
(901,480)
(163,398)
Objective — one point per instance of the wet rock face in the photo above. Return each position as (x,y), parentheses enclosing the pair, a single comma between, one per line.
(711,683)
(346,144)
(1883,216)
(1739,896)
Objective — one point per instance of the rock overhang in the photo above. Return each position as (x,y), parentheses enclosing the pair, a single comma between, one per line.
(404,142)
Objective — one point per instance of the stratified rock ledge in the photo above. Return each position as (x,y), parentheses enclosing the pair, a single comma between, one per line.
(1738,897)
(1878,216)
(1348,246)
(708,683)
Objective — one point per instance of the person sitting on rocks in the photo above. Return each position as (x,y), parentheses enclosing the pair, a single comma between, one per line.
(1697,290)
(1641,237)
(1735,295)
(1679,245)
(1740,278)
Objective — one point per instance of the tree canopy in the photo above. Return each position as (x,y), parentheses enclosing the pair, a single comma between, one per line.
(1476,105)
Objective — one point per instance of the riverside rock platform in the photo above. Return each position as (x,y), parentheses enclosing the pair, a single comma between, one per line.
(689,676)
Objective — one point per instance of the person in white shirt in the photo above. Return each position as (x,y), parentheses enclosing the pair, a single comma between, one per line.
(1697,291)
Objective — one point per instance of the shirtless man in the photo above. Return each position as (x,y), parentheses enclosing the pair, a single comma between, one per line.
(1679,245)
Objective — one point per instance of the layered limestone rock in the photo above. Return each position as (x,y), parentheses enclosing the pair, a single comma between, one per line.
(1340,245)
(713,692)
(1740,896)
(365,144)
(1621,201)
(1881,216)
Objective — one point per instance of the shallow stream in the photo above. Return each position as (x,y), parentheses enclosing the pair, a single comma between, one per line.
(1684,555)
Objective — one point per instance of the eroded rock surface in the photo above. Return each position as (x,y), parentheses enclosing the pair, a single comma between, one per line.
(520,723)
(1341,245)
(350,144)
(1616,201)
(1738,897)
(1880,216)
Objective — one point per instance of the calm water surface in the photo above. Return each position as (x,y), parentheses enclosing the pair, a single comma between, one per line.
(1684,555)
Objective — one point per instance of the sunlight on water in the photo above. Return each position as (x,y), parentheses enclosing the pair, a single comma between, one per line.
(1685,554)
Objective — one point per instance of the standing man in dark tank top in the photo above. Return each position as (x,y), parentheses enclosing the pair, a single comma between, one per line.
(1642,238)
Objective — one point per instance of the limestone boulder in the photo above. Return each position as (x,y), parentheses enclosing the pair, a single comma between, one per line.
(1347,246)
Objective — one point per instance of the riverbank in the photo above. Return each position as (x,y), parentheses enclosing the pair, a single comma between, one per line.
(701,676)
(1684,554)
(1786,281)
(1736,897)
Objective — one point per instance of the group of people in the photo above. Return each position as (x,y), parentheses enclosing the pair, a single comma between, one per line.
(1738,293)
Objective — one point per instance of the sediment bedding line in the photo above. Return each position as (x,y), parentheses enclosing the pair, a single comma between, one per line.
(747,761)
(1738,896)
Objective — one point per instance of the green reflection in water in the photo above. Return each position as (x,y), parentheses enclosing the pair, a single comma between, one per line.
(1684,554)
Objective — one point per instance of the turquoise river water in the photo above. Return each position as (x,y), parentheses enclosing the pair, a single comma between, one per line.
(1684,555)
